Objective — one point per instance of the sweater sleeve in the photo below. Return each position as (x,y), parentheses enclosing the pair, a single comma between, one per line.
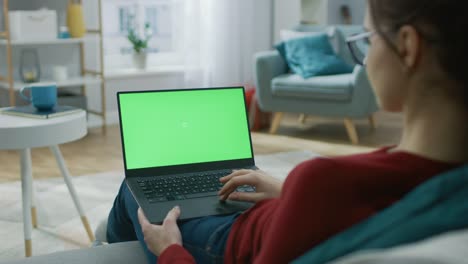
(176,254)
(303,219)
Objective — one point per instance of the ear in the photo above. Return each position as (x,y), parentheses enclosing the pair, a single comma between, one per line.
(409,46)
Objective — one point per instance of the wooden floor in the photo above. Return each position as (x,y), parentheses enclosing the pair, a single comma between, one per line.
(388,131)
(100,153)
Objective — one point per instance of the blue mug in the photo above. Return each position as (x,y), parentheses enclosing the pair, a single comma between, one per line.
(43,96)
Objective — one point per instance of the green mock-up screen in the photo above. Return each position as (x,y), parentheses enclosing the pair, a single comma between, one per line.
(183,127)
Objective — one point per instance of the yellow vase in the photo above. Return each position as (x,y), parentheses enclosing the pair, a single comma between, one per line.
(75,20)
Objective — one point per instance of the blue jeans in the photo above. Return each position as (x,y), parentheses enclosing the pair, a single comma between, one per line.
(205,238)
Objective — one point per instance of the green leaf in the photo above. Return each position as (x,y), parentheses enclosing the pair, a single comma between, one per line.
(138,42)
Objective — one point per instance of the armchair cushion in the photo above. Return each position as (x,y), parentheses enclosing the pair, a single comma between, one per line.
(332,87)
(313,56)
(335,36)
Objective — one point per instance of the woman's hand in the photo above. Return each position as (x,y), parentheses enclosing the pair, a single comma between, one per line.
(266,186)
(160,237)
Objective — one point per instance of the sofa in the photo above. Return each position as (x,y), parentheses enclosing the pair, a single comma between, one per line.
(448,248)
(428,225)
(344,96)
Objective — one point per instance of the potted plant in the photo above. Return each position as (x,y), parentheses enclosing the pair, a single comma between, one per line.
(140,45)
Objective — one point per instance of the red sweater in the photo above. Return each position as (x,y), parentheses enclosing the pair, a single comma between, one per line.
(320,198)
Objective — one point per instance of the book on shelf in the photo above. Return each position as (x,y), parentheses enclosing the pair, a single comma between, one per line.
(32,112)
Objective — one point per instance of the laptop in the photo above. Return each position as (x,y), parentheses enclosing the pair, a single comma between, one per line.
(178,143)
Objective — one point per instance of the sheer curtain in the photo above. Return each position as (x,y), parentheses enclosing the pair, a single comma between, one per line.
(221,38)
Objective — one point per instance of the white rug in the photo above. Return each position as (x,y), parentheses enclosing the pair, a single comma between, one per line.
(60,227)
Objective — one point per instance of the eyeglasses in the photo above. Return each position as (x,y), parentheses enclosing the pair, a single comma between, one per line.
(359,44)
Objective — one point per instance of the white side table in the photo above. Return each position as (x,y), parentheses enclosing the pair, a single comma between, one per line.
(22,134)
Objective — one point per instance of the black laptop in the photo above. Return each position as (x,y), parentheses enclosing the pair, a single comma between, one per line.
(178,143)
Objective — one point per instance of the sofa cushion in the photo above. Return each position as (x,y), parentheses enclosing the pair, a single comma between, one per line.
(333,35)
(313,55)
(330,87)
(339,38)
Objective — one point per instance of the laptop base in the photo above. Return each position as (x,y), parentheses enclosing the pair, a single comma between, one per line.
(190,208)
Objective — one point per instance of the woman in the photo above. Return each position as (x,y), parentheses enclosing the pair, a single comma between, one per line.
(412,65)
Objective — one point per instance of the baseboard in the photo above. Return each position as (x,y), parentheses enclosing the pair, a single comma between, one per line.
(112,118)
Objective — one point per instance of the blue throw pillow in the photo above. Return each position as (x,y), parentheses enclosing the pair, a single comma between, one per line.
(312,56)
(281,48)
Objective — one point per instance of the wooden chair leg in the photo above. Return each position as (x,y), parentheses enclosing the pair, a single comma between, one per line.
(276,122)
(351,129)
(34,216)
(372,121)
(33,205)
(26,192)
(68,181)
(302,118)
(28,248)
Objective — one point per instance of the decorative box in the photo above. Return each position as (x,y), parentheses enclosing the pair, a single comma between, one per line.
(33,25)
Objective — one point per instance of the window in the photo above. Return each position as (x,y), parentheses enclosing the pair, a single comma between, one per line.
(121,15)
(125,13)
(159,17)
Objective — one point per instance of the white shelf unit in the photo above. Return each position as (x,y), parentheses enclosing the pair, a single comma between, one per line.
(87,77)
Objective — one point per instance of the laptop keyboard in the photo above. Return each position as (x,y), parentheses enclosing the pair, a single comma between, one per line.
(162,189)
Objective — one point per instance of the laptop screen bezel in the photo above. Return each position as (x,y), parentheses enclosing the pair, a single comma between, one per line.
(185,168)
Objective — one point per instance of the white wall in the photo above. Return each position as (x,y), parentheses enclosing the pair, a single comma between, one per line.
(289,13)
(357,8)
(140,83)
(265,24)
(314,11)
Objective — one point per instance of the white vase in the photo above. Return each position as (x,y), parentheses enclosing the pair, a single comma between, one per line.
(139,60)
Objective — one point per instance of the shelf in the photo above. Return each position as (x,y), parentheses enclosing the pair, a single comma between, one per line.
(75,81)
(125,73)
(43,42)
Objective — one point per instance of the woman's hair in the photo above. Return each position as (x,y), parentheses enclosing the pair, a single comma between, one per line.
(442,23)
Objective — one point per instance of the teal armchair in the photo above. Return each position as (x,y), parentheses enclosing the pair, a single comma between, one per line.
(347,96)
